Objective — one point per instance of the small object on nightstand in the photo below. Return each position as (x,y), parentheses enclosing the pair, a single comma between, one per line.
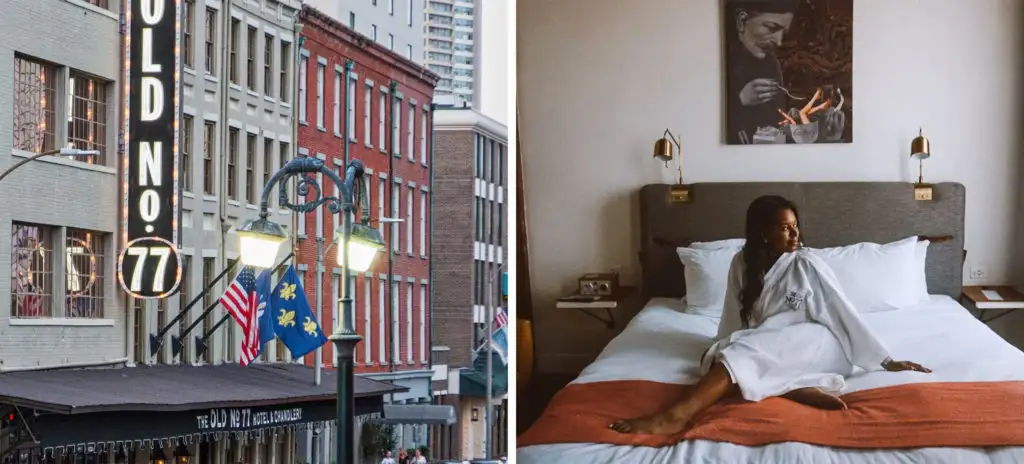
(986,297)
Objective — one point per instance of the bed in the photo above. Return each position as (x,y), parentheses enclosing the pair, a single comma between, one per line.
(662,345)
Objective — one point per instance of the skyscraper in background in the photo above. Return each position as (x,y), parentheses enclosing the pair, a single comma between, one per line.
(450,30)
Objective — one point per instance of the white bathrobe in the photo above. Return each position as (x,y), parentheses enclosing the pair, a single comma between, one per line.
(804,332)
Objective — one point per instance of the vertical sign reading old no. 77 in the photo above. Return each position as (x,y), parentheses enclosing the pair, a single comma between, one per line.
(149,265)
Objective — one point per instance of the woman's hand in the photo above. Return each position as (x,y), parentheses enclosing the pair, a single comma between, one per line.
(898,366)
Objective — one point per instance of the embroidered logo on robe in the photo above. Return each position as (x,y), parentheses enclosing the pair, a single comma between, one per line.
(794,300)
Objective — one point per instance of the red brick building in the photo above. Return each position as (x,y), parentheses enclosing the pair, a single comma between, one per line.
(389,99)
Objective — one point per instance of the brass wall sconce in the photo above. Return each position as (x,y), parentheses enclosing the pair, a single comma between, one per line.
(663,151)
(920,148)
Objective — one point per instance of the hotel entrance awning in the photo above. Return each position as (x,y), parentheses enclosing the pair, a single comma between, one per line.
(140,406)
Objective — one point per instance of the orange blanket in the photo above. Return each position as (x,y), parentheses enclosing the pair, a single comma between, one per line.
(962,414)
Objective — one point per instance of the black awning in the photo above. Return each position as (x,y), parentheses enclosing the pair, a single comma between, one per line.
(143,405)
(408,414)
(175,388)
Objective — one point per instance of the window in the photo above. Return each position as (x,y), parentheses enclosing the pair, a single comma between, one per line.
(500,218)
(189,29)
(410,192)
(210,54)
(186,152)
(408,323)
(364,204)
(391,41)
(337,104)
(367,103)
(319,211)
(184,298)
(209,273)
(410,134)
(350,124)
(320,70)
(84,274)
(396,127)
(35,103)
(209,131)
(381,295)
(303,64)
(380,121)
(268,61)
(31,270)
(268,161)
(352,21)
(396,333)
(423,223)
(423,323)
(285,155)
(283,64)
(233,163)
(408,51)
(382,186)
(367,325)
(423,137)
(499,166)
(100,3)
(250,63)
(396,198)
(391,7)
(251,192)
(233,49)
(373,32)
(408,13)
(87,115)
(141,338)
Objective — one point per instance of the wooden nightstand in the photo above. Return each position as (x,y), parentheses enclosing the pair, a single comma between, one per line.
(987,298)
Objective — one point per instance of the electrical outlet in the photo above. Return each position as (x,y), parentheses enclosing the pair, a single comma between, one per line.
(977,273)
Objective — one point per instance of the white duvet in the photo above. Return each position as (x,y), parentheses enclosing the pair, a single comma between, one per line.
(662,344)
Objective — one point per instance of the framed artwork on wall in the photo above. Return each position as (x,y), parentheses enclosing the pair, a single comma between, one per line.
(788,71)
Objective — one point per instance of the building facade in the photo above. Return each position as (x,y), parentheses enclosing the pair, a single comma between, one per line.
(394,24)
(59,85)
(67,322)
(470,187)
(451,52)
(379,110)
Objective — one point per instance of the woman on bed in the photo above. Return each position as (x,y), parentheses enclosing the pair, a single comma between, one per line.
(787,353)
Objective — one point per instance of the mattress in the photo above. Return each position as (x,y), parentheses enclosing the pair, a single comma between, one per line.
(663,344)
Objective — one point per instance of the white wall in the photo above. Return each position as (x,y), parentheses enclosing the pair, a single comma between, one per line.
(492,33)
(598,82)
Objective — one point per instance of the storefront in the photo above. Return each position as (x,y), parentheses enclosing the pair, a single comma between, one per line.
(222,414)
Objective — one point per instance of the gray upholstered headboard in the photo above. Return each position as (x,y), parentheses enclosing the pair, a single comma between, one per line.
(831,214)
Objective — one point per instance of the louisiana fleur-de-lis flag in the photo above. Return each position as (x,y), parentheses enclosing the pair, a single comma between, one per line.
(291,317)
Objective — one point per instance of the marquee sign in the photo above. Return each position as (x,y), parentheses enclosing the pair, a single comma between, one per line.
(149,265)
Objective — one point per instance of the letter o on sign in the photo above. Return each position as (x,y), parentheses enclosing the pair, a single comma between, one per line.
(149,267)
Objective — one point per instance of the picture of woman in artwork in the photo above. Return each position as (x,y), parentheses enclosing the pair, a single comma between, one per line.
(778,53)
(754,30)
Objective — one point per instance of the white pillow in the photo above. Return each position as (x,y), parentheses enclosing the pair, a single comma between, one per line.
(728,243)
(878,277)
(707,276)
(919,274)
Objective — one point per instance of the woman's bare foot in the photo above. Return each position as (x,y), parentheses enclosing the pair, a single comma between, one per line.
(817,398)
(663,423)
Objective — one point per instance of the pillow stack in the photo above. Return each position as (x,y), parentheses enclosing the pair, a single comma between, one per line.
(875,277)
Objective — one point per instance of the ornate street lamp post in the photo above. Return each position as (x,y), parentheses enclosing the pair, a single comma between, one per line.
(260,241)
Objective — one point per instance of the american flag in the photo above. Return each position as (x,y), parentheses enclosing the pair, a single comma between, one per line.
(240,300)
(500,319)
